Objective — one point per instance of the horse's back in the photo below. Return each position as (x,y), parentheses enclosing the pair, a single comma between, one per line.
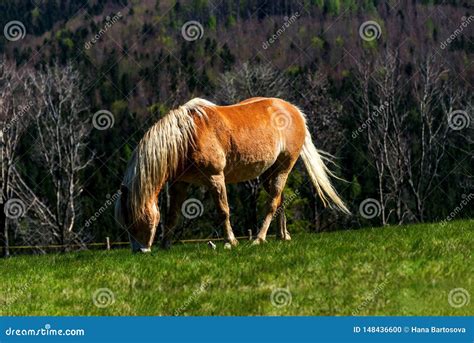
(266,121)
(246,139)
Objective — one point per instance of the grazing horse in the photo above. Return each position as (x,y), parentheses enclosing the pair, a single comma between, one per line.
(205,144)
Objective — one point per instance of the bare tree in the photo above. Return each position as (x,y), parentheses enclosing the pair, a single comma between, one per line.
(437,96)
(374,128)
(407,160)
(394,117)
(384,120)
(62,130)
(251,80)
(13,123)
(465,119)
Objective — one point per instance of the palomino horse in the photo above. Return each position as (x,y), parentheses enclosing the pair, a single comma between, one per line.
(206,144)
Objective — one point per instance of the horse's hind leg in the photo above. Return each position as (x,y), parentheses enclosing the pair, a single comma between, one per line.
(178,193)
(274,185)
(219,193)
(282,232)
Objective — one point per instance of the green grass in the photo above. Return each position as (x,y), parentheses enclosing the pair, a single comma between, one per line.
(407,270)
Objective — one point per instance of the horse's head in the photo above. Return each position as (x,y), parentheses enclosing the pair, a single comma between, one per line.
(141,228)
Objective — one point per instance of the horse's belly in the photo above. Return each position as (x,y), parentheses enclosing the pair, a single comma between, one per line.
(243,170)
(251,156)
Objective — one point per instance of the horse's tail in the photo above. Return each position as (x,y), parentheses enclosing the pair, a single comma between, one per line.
(319,174)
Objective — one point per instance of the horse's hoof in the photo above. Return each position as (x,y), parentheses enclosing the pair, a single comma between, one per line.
(285,238)
(227,246)
(142,251)
(233,242)
(258,241)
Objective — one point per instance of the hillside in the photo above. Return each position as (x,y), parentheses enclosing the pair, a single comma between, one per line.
(407,73)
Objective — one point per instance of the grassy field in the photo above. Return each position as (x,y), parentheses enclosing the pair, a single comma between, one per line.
(378,271)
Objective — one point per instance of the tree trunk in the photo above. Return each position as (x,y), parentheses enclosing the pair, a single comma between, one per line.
(4,226)
(5,176)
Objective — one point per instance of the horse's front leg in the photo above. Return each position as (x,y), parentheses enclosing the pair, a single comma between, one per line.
(178,193)
(219,193)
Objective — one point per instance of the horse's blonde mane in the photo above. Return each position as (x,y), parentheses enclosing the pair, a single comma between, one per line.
(159,154)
